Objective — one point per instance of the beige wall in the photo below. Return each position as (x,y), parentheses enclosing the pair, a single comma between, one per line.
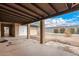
(16,29)
(33,31)
(23,30)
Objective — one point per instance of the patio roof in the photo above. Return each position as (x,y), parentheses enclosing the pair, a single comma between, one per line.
(25,13)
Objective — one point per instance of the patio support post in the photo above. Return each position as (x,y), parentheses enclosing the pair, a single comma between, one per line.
(42,31)
(28,31)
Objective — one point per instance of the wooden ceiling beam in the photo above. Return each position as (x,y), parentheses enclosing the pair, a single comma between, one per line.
(13,16)
(40,8)
(3,20)
(8,20)
(9,15)
(53,7)
(69,5)
(73,5)
(25,19)
(21,11)
(15,11)
(29,9)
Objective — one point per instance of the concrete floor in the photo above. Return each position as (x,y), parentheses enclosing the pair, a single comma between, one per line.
(30,47)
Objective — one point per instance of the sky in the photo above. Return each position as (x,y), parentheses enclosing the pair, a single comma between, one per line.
(68,19)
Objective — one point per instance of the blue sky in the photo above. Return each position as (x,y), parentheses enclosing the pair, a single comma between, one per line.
(68,19)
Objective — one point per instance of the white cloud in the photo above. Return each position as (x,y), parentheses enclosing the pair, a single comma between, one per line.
(55,22)
(60,22)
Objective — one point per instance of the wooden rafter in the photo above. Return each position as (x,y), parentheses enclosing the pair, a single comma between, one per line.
(40,8)
(29,9)
(6,13)
(21,11)
(14,11)
(73,5)
(53,7)
(69,5)
(8,17)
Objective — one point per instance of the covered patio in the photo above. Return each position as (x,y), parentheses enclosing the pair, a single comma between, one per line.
(13,15)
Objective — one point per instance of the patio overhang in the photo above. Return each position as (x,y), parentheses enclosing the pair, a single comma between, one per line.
(25,13)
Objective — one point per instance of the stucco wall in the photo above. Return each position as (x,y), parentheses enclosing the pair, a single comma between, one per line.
(22,30)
